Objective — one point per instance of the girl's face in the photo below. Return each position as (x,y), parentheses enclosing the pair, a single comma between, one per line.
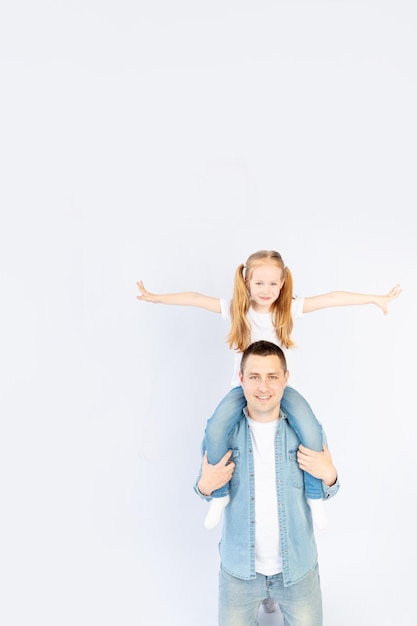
(264,286)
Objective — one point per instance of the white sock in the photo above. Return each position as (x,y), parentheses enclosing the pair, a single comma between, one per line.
(215,511)
(318,512)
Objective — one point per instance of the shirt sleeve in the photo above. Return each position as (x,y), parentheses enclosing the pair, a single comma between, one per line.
(197,480)
(329,492)
(297,307)
(198,492)
(225,309)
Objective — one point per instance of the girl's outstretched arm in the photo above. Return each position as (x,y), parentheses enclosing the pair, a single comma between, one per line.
(185,298)
(347,298)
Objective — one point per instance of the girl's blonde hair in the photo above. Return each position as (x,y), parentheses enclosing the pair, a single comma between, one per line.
(239,336)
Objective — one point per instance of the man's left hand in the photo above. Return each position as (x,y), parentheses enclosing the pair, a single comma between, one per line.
(318,464)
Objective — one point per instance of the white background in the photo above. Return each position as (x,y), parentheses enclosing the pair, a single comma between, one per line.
(166,141)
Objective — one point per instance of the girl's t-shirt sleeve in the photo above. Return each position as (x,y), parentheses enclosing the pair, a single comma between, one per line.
(225,309)
(297,307)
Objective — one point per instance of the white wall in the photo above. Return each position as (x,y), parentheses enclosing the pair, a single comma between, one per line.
(166,141)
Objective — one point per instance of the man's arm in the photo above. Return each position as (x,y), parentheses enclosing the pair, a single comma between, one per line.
(213,477)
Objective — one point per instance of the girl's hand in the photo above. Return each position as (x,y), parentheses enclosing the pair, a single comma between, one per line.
(147,296)
(382,301)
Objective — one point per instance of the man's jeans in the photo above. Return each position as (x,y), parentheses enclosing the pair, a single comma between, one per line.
(239,600)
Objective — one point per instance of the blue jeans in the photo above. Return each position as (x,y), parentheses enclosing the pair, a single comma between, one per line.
(300,417)
(239,600)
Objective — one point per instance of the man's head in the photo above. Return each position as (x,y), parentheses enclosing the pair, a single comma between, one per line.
(264,376)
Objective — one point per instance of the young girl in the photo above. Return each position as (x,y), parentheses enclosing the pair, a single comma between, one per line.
(263,307)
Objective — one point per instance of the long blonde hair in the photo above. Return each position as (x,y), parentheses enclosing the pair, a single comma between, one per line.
(239,336)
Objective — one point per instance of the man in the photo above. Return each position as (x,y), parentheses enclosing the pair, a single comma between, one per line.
(268,549)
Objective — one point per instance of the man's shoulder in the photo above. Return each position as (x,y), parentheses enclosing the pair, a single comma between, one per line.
(292,437)
(241,427)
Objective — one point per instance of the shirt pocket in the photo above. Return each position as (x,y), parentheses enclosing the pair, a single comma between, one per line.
(296,474)
(234,482)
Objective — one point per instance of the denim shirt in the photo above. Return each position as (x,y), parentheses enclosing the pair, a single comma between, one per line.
(298,545)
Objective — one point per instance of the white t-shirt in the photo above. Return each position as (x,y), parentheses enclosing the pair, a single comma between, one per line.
(267,544)
(262,328)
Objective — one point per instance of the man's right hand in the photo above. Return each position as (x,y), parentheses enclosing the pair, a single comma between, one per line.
(215,476)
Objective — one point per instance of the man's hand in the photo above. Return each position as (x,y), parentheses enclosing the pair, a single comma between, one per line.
(318,464)
(215,476)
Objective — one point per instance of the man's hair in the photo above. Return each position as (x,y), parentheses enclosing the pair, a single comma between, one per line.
(263,348)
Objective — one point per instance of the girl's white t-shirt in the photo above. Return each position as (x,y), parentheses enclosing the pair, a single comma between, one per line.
(268,559)
(262,328)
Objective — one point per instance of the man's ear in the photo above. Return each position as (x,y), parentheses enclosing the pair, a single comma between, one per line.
(240,376)
(287,375)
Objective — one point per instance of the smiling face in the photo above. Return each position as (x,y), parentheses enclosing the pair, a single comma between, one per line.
(264,286)
(263,382)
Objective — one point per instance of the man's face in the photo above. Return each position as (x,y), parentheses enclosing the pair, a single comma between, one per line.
(263,381)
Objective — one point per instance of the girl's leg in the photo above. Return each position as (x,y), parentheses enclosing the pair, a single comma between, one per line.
(309,431)
(218,430)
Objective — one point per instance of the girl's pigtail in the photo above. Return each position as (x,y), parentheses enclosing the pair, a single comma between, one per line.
(239,335)
(282,311)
